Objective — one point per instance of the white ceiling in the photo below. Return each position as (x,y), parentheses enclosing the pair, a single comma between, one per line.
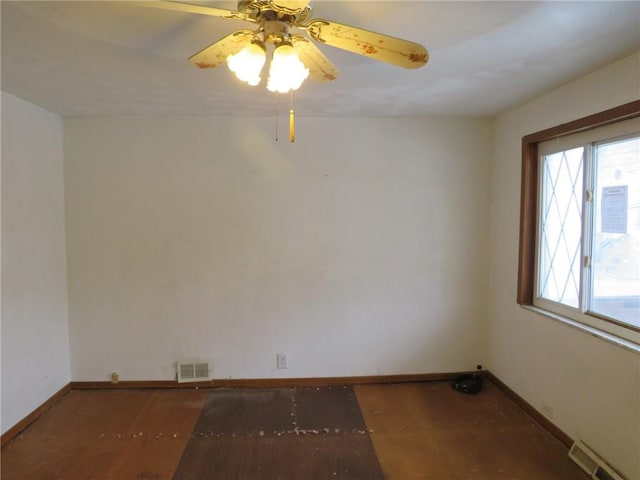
(118,58)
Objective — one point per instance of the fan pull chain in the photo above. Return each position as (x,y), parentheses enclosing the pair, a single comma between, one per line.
(276,115)
(292,126)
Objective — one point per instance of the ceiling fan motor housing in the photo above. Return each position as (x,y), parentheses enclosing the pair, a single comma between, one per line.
(276,31)
(291,11)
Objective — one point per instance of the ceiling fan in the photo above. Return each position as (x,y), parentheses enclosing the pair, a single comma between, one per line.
(288,23)
(287,27)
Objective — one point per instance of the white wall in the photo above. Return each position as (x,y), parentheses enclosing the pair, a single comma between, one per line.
(358,250)
(35,331)
(590,387)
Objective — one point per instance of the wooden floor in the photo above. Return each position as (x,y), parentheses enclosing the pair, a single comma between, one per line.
(399,431)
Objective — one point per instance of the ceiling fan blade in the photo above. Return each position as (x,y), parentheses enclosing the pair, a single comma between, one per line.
(217,53)
(320,68)
(200,9)
(384,48)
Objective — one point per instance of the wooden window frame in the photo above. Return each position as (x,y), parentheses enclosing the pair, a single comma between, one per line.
(529,187)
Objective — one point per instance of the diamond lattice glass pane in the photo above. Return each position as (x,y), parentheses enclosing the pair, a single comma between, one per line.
(561,227)
(616,246)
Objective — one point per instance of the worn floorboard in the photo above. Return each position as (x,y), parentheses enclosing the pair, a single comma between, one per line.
(396,432)
(430,431)
(106,434)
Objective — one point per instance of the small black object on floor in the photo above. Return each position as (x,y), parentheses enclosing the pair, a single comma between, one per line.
(469,383)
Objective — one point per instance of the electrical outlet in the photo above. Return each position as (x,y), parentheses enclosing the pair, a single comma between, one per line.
(115,378)
(281,361)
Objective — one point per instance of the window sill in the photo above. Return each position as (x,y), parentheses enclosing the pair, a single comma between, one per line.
(608,337)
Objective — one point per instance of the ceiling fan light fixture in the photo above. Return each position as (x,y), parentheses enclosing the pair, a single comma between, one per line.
(286,71)
(247,64)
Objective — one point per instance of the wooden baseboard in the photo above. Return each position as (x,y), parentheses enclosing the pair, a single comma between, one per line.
(270,382)
(531,411)
(33,416)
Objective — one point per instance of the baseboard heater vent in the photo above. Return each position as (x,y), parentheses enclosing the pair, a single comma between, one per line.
(591,463)
(194,371)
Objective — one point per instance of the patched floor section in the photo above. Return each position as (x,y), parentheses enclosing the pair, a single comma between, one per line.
(280,433)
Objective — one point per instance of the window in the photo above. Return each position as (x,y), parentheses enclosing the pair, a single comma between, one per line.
(580,223)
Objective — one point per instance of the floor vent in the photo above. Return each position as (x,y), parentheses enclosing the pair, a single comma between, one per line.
(194,371)
(591,463)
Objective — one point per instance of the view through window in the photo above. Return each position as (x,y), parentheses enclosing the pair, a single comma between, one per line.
(616,243)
